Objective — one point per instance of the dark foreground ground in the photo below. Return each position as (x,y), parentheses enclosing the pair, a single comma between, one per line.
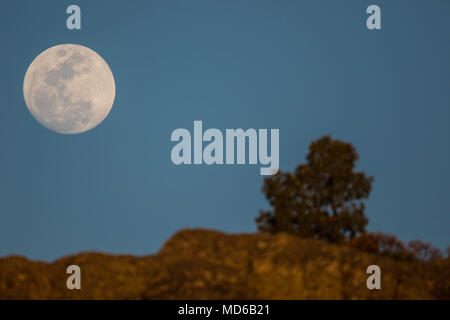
(202,264)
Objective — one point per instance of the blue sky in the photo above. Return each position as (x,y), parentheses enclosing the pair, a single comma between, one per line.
(309,68)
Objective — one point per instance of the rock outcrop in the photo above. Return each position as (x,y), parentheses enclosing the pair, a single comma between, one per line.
(202,264)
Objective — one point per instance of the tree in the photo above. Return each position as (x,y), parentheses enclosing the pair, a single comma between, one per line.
(424,251)
(381,243)
(322,198)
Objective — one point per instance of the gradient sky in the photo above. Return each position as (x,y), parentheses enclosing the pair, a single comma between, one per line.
(309,68)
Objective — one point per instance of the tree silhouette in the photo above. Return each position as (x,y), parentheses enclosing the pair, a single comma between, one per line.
(322,198)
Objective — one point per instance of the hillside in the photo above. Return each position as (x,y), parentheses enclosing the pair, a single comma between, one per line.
(202,264)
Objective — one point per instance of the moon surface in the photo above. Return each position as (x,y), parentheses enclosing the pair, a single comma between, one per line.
(69,88)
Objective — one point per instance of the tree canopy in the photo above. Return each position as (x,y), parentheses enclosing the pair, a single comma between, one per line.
(322,198)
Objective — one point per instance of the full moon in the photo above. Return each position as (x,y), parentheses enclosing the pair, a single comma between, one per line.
(69,88)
